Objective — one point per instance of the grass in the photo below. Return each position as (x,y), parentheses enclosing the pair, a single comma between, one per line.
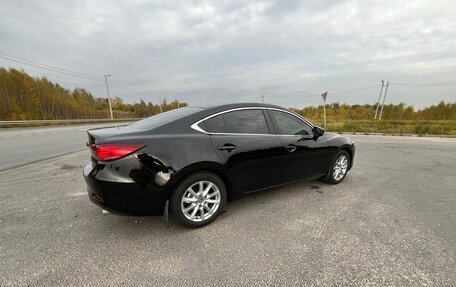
(394,127)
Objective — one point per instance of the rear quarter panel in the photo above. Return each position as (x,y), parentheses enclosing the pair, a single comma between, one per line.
(172,157)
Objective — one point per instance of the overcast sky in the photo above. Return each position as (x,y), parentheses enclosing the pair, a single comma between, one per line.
(208,52)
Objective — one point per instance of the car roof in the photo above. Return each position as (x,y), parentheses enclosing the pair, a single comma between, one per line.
(240,105)
(206,111)
(182,124)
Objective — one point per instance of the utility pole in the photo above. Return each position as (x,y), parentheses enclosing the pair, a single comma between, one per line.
(109,96)
(262,98)
(383,104)
(324,95)
(159,98)
(379,97)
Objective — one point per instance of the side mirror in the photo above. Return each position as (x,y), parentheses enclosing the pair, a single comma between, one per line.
(318,132)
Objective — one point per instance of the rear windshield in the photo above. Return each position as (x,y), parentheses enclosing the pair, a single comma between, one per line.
(164,118)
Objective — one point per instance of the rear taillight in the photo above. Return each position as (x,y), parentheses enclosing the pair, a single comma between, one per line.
(109,152)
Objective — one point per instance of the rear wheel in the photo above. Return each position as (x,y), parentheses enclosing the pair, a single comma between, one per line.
(198,199)
(338,169)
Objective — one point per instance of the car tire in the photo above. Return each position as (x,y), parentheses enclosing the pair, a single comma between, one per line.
(338,169)
(198,199)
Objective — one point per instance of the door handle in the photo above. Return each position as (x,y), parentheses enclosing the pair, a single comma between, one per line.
(291,147)
(227,147)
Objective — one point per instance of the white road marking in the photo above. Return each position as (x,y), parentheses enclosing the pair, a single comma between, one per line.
(81,193)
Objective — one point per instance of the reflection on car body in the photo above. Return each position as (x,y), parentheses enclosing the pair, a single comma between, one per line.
(196,158)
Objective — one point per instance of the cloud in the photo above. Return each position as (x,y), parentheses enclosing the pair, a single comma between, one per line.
(207,52)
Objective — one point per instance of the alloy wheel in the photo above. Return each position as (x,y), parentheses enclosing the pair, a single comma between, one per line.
(340,167)
(200,201)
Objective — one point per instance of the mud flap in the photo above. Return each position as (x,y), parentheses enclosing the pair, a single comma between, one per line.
(166,212)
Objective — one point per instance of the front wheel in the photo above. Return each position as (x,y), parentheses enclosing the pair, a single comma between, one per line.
(338,169)
(198,199)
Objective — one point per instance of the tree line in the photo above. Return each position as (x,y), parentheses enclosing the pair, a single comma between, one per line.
(23,97)
(343,112)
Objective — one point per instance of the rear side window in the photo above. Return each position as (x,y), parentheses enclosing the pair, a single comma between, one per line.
(246,122)
(215,125)
(164,118)
(290,125)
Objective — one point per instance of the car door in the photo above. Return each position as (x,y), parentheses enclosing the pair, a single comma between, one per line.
(244,141)
(304,155)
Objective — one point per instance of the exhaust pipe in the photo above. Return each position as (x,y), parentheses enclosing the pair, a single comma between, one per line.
(105,212)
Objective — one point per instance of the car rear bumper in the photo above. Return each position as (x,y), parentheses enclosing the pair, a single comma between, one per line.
(130,197)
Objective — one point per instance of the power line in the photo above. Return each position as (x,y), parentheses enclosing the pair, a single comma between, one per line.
(59,79)
(50,68)
(125,90)
(77,85)
(354,90)
(424,84)
(12,58)
(114,83)
(50,77)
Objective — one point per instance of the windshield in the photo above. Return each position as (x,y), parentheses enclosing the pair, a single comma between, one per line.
(163,118)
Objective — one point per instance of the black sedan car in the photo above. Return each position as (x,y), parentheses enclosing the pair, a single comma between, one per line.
(191,160)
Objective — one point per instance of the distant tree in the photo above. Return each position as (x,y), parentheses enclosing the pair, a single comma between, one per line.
(26,97)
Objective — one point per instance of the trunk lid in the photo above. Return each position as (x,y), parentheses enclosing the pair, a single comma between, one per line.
(108,136)
(99,134)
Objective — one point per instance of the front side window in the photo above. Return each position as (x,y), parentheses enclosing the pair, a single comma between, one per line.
(246,122)
(290,125)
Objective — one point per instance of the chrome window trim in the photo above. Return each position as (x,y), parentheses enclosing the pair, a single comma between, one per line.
(295,115)
(196,127)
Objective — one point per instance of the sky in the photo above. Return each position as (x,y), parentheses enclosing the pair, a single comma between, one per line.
(211,52)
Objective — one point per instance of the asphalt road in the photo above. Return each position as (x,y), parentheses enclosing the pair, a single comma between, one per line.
(391,222)
(22,146)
